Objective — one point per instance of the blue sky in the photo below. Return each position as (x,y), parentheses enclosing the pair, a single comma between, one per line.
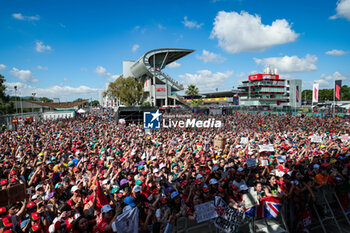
(71,49)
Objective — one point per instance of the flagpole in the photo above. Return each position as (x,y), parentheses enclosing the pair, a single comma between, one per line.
(333,96)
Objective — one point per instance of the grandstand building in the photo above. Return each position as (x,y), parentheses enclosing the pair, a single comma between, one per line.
(159,88)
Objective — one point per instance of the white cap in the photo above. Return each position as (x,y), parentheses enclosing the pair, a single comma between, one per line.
(105,182)
(137,189)
(240,169)
(213,181)
(161,165)
(154,158)
(243,187)
(199,176)
(74,188)
(155,170)
(106,208)
(38,187)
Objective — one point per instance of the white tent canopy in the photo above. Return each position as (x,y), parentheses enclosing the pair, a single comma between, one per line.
(80,111)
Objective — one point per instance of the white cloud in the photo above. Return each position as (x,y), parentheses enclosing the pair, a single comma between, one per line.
(205,80)
(336,52)
(42,68)
(291,64)
(326,80)
(322,82)
(2,66)
(103,72)
(191,24)
(40,47)
(135,47)
(210,57)
(245,33)
(24,75)
(174,65)
(161,27)
(53,91)
(19,16)
(343,10)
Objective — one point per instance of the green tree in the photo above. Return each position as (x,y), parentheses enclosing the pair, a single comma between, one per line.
(197,102)
(78,100)
(146,104)
(45,100)
(306,95)
(327,94)
(192,91)
(95,103)
(128,90)
(6,106)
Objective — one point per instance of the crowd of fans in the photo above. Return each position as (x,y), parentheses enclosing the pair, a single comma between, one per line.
(80,174)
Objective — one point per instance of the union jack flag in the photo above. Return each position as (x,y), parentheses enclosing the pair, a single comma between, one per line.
(271,206)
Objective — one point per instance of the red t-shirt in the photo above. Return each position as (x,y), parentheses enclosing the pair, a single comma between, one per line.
(102,226)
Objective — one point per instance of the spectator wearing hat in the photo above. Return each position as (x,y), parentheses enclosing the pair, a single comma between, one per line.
(108,217)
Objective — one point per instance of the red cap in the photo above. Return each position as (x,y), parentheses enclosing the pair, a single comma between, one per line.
(35,216)
(198,181)
(122,160)
(8,231)
(7,222)
(100,162)
(3,182)
(36,227)
(30,205)
(76,169)
(205,189)
(234,186)
(12,172)
(163,200)
(119,194)
(183,183)
(13,180)
(220,189)
(2,210)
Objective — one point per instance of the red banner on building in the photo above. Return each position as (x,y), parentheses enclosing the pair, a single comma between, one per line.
(254,77)
(297,94)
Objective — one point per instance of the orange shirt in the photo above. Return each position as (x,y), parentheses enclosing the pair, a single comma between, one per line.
(320,178)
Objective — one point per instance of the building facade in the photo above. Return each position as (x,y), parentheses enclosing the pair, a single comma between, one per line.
(269,90)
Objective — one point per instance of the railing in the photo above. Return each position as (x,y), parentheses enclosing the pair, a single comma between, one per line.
(175,83)
(327,215)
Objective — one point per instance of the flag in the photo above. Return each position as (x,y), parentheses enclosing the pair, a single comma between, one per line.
(315,93)
(271,206)
(297,94)
(101,198)
(337,90)
(127,222)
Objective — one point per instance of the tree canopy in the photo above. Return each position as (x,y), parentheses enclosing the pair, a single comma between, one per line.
(327,94)
(95,103)
(6,106)
(192,91)
(128,90)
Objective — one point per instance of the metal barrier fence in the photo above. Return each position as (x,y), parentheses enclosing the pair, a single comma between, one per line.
(7,120)
(327,215)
